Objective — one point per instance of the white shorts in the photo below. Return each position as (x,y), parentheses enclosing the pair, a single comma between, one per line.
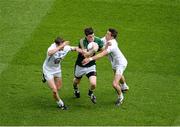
(80,71)
(50,75)
(120,69)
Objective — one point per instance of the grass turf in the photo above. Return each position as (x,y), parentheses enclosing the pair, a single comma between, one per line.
(148,36)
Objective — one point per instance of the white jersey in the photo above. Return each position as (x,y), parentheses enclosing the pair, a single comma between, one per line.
(52,63)
(115,55)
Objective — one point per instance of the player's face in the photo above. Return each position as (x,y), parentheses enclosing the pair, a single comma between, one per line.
(59,45)
(108,36)
(90,38)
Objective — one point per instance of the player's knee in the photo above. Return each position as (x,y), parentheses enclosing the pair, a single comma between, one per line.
(92,81)
(93,85)
(58,86)
(76,81)
(114,85)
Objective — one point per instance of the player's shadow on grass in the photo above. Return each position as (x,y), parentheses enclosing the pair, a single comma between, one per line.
(83,103)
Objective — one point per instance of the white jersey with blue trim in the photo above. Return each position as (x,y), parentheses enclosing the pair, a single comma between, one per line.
(52,63)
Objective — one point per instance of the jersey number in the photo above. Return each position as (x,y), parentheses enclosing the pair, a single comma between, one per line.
(56,61)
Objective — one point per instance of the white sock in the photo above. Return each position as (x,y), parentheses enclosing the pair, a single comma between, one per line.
(121,96)
(60,103)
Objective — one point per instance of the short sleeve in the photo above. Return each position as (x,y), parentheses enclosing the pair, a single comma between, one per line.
(67,48)
(101,44)
(103,40)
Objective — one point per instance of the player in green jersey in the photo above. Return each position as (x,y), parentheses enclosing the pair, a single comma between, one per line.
(89,69)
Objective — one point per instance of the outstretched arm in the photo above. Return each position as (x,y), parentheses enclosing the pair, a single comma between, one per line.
(82,51)
(96,57)
(51,52)
(77,49)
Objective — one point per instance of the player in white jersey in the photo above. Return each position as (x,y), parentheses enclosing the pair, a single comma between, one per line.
(117,59)
(52,68)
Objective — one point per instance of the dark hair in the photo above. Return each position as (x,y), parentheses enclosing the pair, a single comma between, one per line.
(88,31)
(114,33)
(58,40)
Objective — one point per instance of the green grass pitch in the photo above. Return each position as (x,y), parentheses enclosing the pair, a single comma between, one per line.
(149,37)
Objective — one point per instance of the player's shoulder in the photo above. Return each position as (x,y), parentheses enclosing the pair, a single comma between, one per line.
(83,39)
(52,46)
(103,39)
(113,45)
(99,42)
(114,42)
(97,38)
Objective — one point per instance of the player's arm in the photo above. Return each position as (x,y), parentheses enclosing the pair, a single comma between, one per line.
(88,53)
(96,57)
(52,51)
(105,47)
(77,49)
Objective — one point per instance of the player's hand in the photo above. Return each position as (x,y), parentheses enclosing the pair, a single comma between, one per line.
(85,61)
(78,50)
(66,42)
(85,53)
(63,44)
(73,48)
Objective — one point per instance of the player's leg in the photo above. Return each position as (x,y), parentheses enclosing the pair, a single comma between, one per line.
(120,69)
(124,86)
(78,73)
(43,78)
(51,83)
(76,82)
(117,87)
(54,89)
(58,84)
(92,81)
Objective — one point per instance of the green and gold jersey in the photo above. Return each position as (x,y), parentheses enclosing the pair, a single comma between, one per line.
(83,44)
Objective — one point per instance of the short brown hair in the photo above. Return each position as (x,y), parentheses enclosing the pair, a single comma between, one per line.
(114,33)
(58,40)
(88,31)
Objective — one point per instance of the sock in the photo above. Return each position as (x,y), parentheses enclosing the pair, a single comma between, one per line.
(121,96)
(90,92)
(125,86)
(125,83)
(60,103)
(43,78)
(75,86)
